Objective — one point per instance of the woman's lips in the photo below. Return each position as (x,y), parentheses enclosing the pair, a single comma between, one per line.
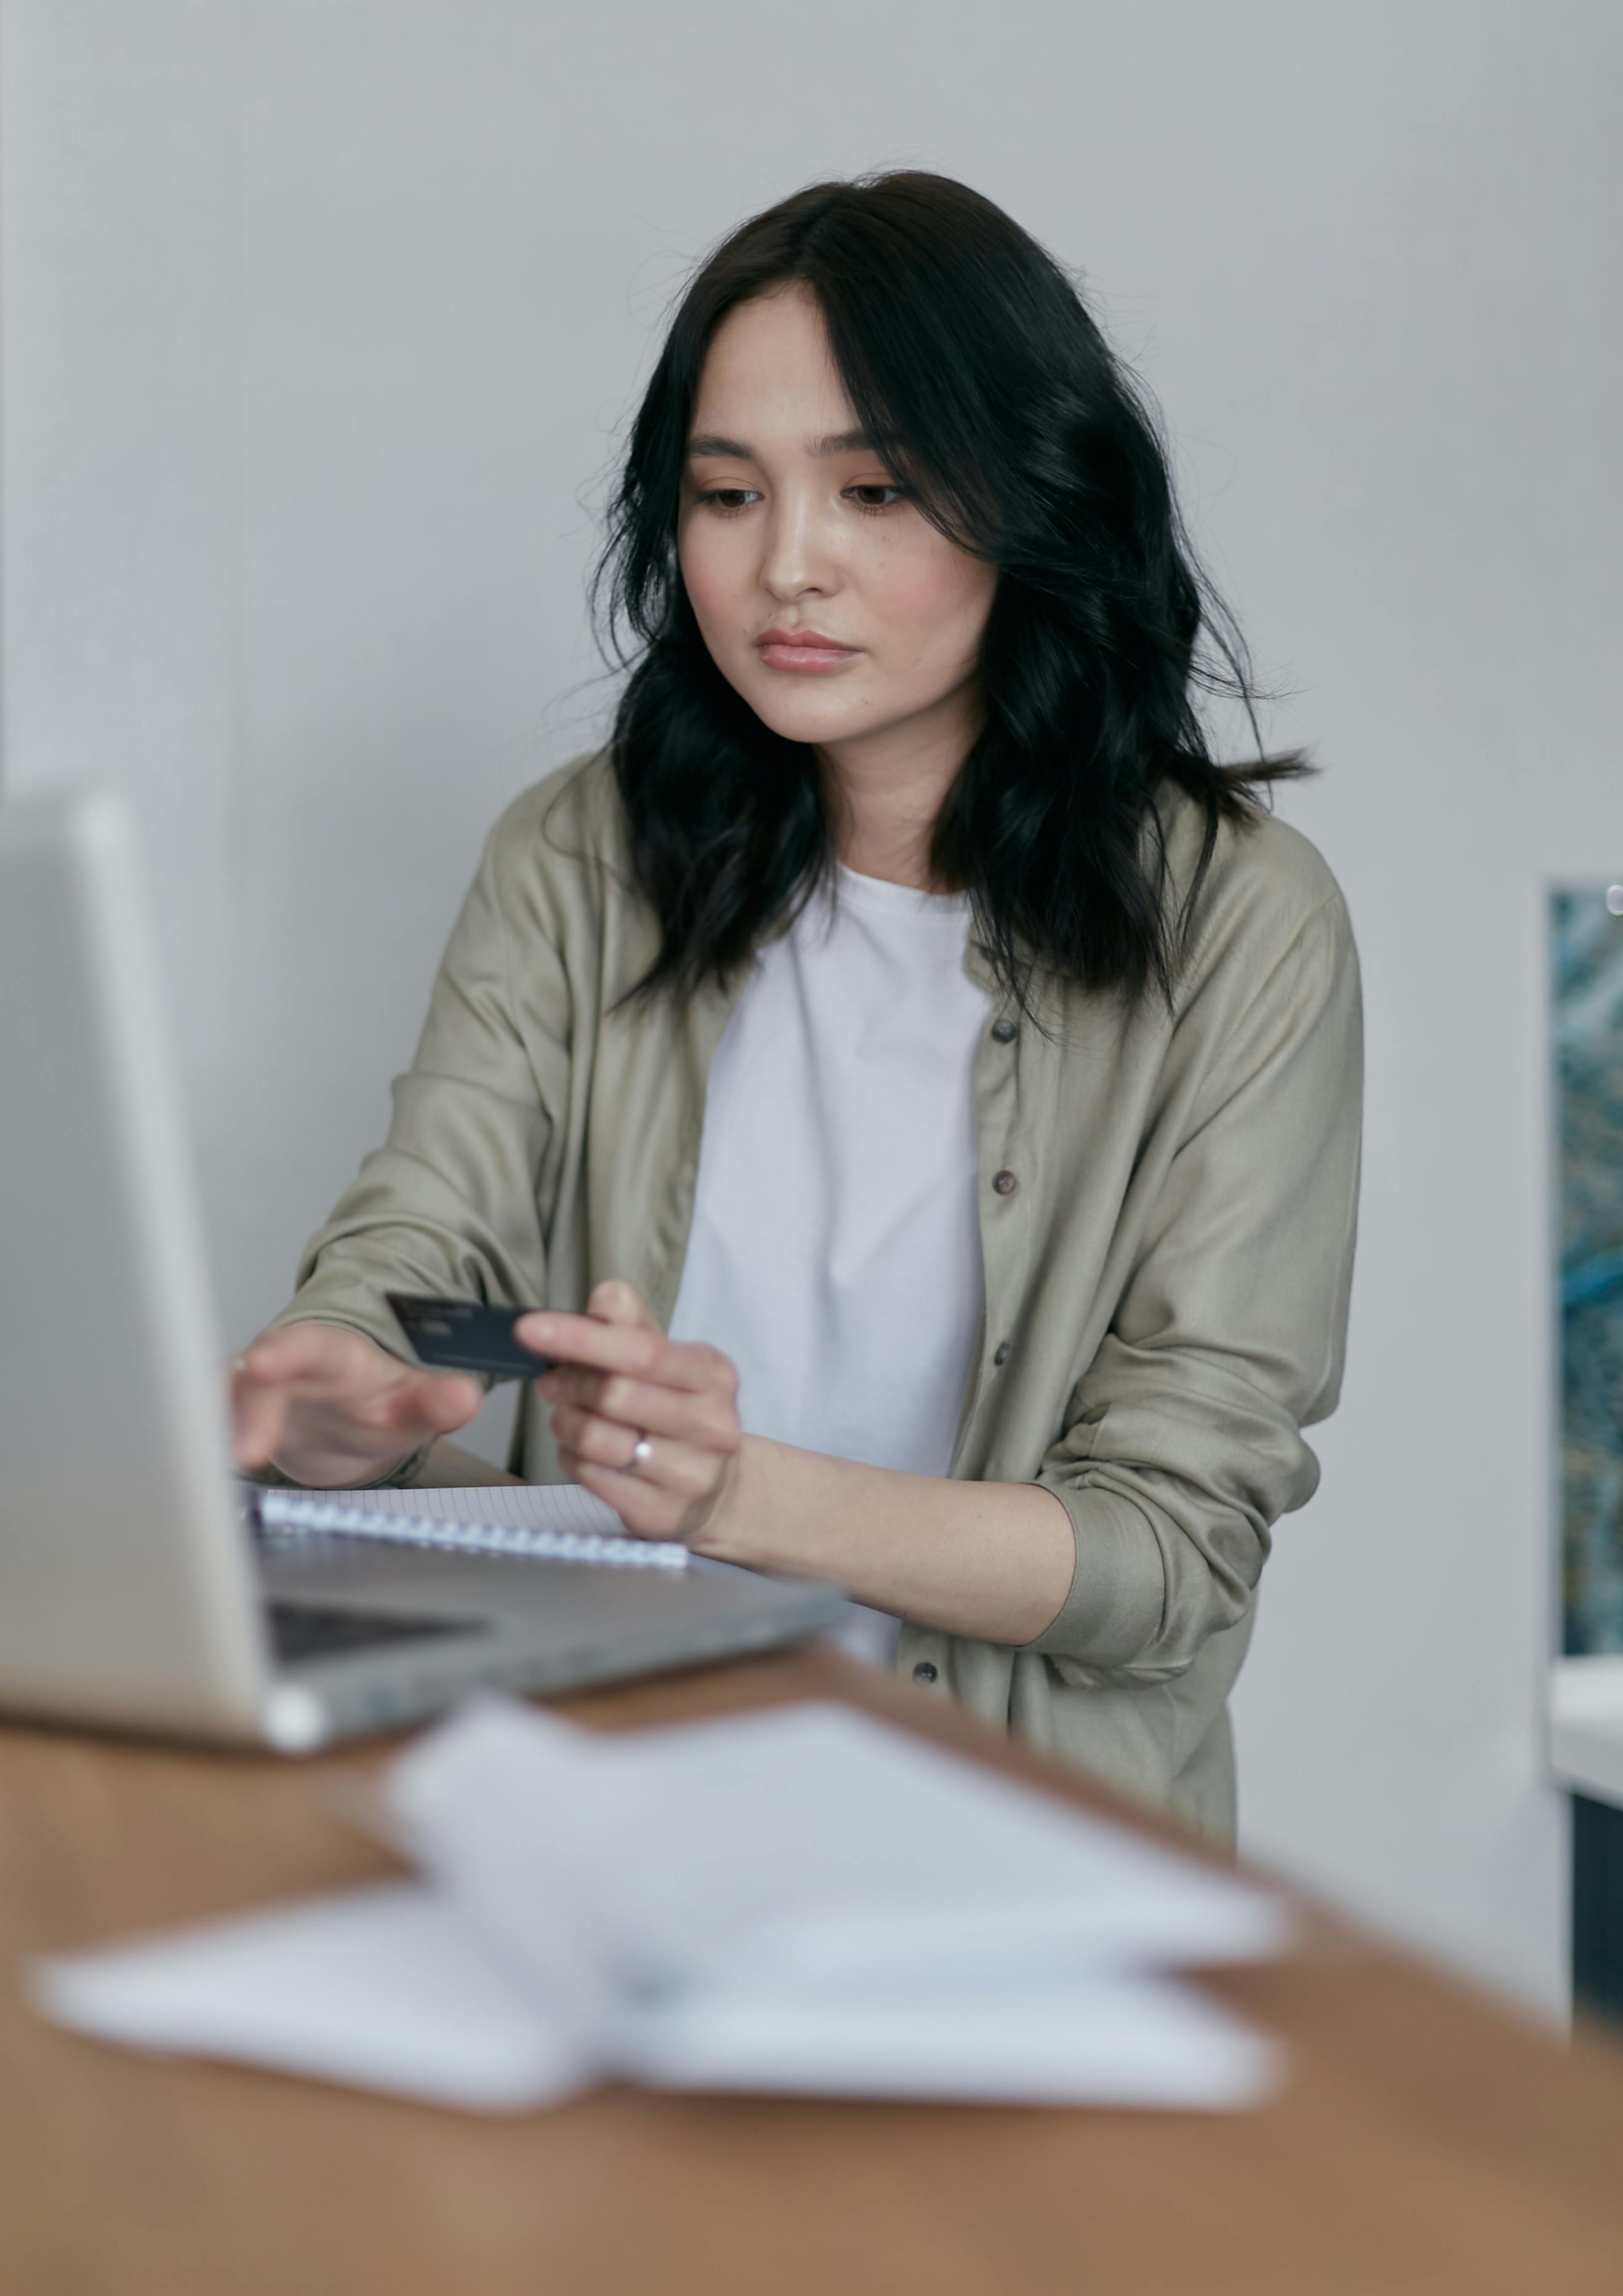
(794,651)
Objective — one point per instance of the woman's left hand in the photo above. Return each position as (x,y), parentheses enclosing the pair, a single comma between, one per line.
(648,1424)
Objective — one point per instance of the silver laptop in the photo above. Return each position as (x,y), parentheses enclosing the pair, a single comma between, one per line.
(133,1593)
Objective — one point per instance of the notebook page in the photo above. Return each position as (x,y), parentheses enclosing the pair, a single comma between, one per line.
(511,1507)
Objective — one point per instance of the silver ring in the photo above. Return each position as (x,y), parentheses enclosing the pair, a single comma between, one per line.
(642,1451)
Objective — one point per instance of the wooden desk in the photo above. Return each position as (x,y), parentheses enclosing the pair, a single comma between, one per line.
(1426,2144)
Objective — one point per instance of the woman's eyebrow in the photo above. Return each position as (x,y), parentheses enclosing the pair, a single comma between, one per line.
(710,442)
(841,442)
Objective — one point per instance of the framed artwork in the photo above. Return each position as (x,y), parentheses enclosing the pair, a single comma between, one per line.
(1586,951)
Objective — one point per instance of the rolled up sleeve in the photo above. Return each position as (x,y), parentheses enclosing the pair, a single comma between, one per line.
(1184,1442)
(449,1205)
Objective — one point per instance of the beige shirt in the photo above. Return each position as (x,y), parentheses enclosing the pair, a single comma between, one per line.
(1167,1205)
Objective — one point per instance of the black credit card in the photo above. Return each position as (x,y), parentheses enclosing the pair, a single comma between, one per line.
(465,1335)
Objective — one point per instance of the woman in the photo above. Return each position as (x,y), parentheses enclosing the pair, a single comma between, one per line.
(922,1084)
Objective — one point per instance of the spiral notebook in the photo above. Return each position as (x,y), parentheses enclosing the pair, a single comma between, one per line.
(552,1522)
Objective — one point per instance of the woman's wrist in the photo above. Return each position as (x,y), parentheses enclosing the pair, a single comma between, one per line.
(733,1532)
(993,1560)
(330,1474)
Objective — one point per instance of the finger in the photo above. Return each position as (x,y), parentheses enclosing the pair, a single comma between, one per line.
(273,1413)
(615,1301)
(360,1406)
(434,1402)
(599,1441)
(588,1340)
(259,1417)
(303,1351)
(641,1351)
(708,1420)
(397,1398)
(680,1467)
(273,1354)
(646,1511)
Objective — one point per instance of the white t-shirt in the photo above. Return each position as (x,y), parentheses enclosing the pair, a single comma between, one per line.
(835,1250)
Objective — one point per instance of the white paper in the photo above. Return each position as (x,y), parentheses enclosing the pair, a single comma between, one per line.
(388,1988)
(803,1902)
(1109,2040)
(808,1845)
(384,1987)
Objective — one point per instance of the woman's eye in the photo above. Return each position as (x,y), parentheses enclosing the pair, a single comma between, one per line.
(727,499)
(879,495)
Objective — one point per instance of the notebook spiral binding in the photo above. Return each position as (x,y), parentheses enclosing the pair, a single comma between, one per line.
(291,1514)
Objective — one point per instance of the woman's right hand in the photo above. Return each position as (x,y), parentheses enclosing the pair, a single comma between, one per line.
(327,1409)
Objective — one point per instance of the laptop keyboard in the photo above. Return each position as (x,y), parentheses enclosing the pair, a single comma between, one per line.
(305,1630)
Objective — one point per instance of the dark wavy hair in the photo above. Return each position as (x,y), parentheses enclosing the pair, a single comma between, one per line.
(975,369)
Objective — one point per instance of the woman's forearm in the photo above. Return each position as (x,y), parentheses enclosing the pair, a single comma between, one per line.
(649,1424)
(991,1560)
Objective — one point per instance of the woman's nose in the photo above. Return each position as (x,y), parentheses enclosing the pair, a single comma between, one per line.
(796,557)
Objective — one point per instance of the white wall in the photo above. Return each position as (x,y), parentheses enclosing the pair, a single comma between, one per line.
(318,320)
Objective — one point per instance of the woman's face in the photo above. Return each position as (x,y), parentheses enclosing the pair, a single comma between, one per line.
(827,600)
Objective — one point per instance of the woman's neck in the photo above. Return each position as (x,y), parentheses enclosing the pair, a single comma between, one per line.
(885,790)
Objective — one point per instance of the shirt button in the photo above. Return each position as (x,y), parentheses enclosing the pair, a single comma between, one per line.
(1004,1031)
(924,1671)
(1000,1353)
(1004,1182)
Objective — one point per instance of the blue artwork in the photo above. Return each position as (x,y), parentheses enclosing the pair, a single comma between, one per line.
(1587,935)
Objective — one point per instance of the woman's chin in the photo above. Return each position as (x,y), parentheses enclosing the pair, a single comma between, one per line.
(810,717)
